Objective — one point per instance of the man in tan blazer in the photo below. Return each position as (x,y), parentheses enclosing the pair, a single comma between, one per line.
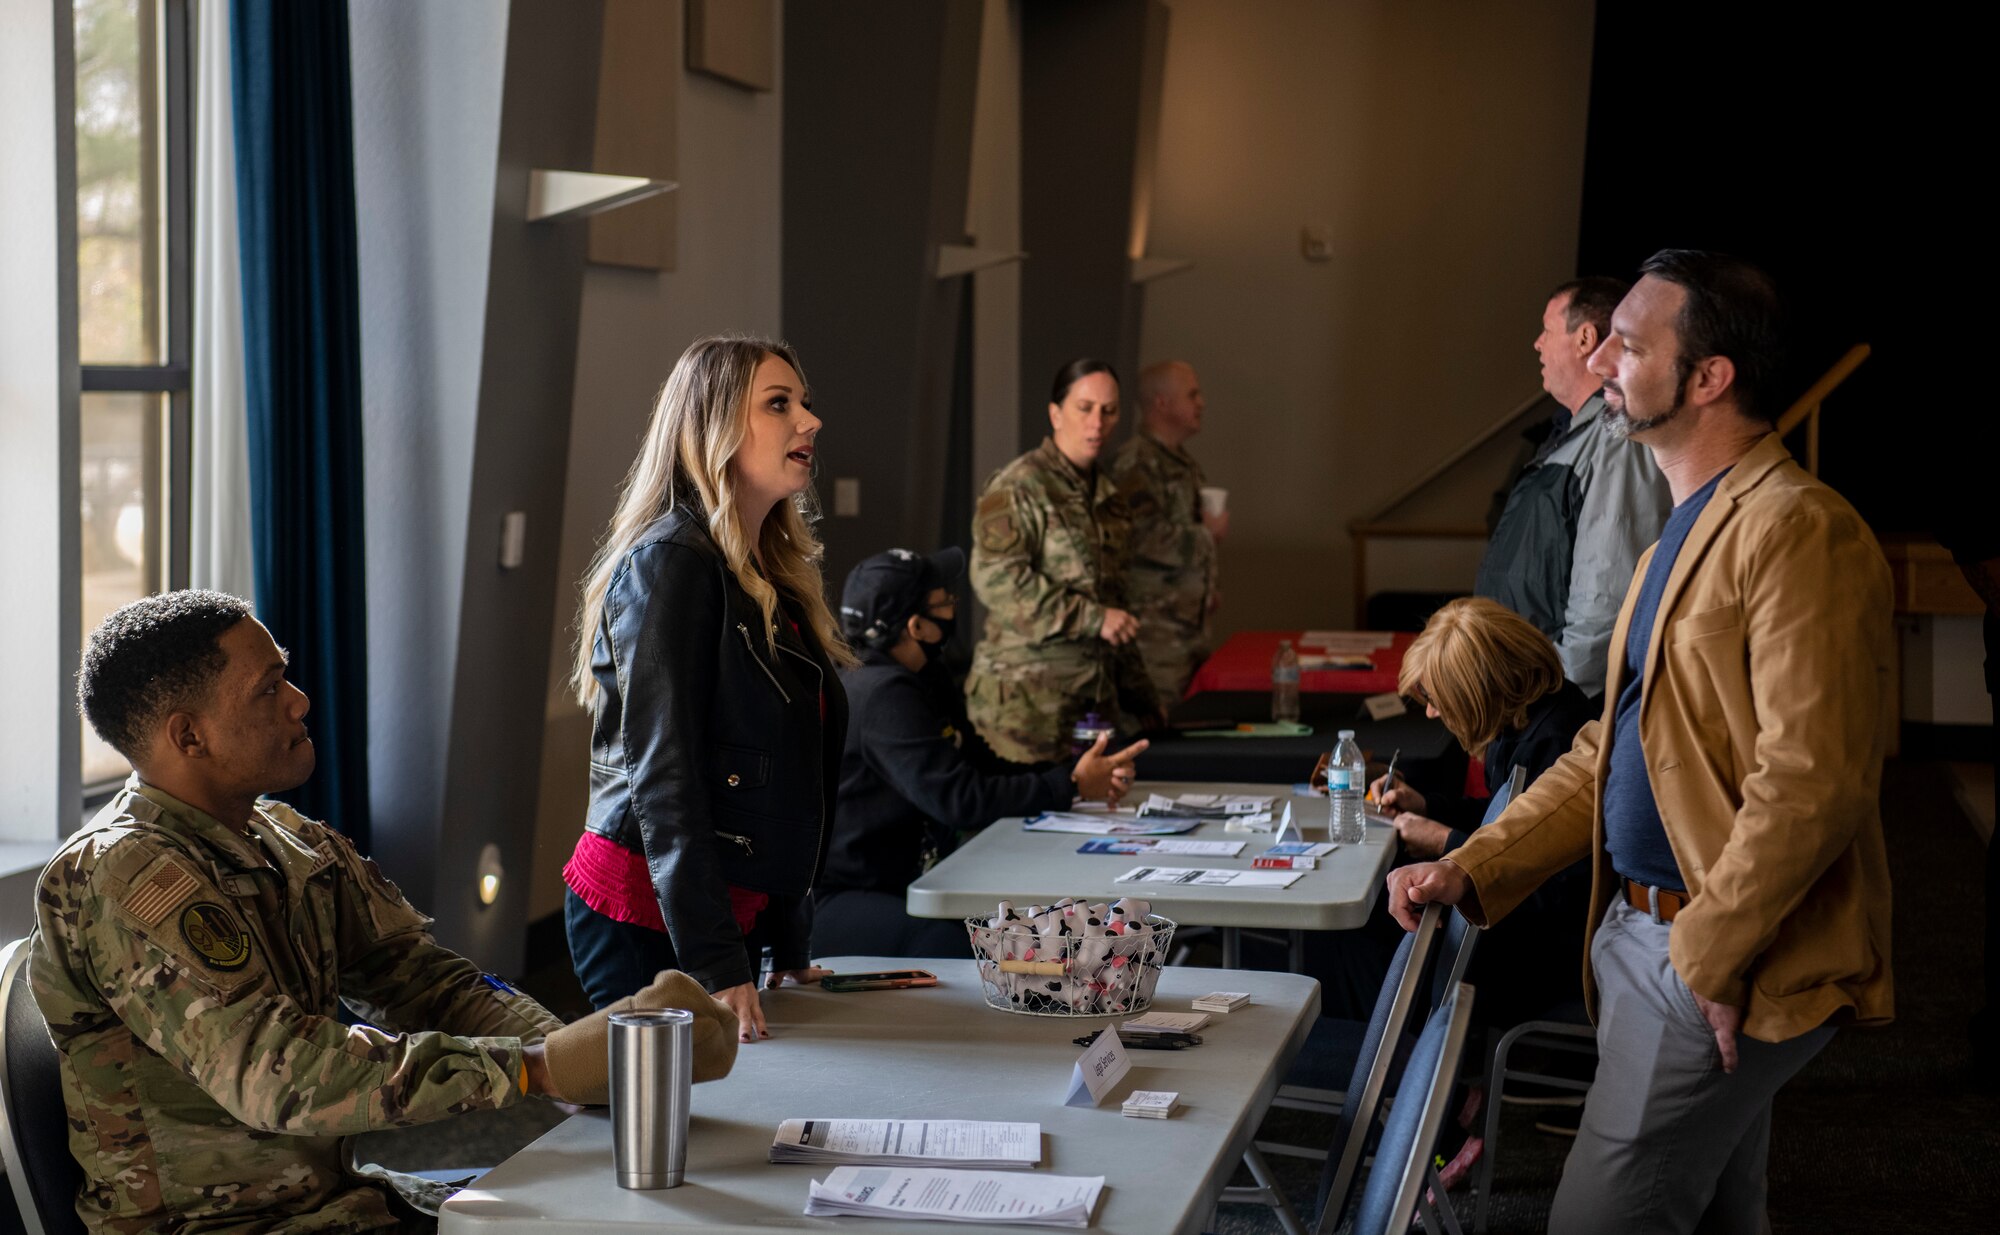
(1730,794)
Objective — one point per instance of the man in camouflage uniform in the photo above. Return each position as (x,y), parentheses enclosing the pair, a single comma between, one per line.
(191,960)
(1171,574)
(1049,544)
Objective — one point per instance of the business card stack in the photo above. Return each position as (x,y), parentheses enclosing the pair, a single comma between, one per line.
(1169,1023)
(1152,1103)
(1222,1001)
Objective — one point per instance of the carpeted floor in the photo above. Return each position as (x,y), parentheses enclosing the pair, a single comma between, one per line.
(1888,1130)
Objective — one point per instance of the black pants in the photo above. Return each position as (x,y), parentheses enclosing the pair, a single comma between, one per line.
(854,922)
(1522,968)
(613,959)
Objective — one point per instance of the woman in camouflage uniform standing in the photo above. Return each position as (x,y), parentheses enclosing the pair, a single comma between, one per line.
(1048,559)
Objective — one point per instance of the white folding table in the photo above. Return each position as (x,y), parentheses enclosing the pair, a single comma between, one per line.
(1006,862)
(936,1053)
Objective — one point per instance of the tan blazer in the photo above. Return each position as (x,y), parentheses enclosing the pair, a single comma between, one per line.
(1763,722)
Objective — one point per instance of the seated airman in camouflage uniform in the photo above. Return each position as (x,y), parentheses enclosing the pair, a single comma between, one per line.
(1171,575)
(194,943)
(1048,559)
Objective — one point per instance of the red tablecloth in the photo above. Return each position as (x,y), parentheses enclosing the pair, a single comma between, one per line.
(1244,663)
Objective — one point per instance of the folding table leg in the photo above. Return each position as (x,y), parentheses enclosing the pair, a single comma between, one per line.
(1266,1193)
(1439,1218)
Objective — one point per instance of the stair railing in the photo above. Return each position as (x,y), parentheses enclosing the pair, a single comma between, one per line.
(1806,408)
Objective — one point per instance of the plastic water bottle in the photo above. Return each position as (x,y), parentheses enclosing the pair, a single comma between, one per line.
(1285,684)
(1346,773)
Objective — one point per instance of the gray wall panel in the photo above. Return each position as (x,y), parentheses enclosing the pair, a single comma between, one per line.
(878,130)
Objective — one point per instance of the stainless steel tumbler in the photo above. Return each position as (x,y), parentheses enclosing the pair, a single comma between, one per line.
(652,1071)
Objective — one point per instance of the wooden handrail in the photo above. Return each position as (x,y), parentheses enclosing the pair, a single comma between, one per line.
(1488,434)
(1828,382)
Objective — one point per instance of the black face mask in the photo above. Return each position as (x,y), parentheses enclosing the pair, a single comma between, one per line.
(934,650)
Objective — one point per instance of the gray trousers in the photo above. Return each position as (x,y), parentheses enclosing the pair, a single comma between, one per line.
(1669,1141)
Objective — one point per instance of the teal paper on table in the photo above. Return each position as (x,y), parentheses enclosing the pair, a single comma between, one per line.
(1103,1065)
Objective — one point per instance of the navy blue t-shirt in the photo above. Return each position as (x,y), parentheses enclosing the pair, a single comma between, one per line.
(1633,832)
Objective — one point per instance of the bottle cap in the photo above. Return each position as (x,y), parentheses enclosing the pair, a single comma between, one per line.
(1346,733)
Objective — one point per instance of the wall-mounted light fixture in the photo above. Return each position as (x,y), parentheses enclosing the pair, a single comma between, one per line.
(490,874)
(554,195)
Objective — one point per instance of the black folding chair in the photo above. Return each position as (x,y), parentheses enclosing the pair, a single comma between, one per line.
(34,1125)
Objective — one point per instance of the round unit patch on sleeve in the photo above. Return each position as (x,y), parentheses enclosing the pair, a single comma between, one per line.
(215,936)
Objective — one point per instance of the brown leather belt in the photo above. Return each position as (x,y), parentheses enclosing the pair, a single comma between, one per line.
(1640,897)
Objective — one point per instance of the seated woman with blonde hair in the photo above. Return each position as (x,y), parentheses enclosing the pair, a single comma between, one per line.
(1497,684)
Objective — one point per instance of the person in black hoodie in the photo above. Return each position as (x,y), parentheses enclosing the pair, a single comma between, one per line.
(909,771)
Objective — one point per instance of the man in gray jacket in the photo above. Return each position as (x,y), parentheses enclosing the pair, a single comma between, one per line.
(1585,507)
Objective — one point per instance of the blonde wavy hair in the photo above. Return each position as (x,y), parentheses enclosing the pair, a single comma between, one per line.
(1480,665)
(699,421)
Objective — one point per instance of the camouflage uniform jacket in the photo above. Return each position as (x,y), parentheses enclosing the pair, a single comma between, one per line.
(191,977)
(1171,576)
(1048,558)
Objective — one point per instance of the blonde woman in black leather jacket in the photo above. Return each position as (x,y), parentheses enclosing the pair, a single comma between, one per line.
(708,657)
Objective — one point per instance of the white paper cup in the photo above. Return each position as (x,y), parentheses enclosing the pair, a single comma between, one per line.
(1214,501)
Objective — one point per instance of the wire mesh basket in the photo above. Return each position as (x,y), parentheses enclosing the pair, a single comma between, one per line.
(1046,972)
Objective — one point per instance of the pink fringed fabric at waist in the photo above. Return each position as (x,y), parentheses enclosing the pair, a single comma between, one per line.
(614,881)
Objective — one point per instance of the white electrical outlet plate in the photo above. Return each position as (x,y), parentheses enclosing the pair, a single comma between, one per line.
(513,539)
(1316,242)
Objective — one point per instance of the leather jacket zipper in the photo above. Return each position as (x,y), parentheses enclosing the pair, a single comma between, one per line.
(752,649)
(749,850)
(819,817)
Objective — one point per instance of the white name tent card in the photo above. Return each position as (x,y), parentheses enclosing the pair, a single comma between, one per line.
(1382,707)
(1263,822)
(1105,1063)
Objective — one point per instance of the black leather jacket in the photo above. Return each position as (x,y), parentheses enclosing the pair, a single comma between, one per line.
(708,754)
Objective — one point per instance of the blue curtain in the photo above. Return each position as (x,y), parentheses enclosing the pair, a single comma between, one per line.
(302,348)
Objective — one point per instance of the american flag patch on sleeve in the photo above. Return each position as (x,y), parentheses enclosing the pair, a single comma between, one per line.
(151,898)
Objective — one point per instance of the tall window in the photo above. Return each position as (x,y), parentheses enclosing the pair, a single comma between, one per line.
(134,150)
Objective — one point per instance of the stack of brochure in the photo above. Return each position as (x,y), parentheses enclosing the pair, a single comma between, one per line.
(1207,805)
(1164,1022)
(956,1196)
(909,1142)
(1222,1001)
(1106,823)
(1151,1103)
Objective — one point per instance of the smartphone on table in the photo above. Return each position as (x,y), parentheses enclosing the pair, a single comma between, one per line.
(891,980)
